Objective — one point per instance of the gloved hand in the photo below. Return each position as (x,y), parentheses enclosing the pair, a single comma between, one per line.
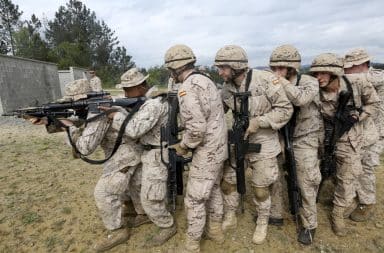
(179,150)
(254,125)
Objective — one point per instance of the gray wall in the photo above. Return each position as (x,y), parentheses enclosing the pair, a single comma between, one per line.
(66,76)
(25,82)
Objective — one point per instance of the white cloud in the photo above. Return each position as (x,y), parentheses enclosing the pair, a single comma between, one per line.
(148,28)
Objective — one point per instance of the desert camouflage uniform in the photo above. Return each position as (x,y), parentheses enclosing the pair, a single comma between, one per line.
(306,144)
(202,114)
(268,102)
(349,145)
(145,125)
(373,131)
(121,173)
(95,83)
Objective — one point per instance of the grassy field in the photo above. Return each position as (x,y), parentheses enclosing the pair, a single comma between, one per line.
(46,205)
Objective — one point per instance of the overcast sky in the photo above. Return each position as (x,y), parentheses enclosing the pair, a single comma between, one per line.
(148,28)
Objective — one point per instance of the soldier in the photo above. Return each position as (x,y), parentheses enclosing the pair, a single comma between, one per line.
(145,126)
(328,69)
(121,173)
(205,135)
(95,81)
(358,61)
(303,92)
(269,110)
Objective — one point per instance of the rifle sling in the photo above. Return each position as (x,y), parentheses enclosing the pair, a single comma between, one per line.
(118,139)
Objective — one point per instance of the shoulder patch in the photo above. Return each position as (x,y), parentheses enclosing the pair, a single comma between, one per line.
(182,93)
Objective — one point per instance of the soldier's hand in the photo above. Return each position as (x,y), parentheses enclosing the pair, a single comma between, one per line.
(66,122)
(254,125)
(39,121)
(105,108)
(179,150)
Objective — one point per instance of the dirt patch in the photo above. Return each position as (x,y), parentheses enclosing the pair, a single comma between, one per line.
(46,205)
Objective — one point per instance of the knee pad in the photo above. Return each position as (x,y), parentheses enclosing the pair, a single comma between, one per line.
(261,193)
(227,188)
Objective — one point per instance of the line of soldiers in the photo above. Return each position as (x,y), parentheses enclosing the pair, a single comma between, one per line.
(136,170)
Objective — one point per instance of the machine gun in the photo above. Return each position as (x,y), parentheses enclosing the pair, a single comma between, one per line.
(175,165)
(80,108)
(240,145)
(294,194)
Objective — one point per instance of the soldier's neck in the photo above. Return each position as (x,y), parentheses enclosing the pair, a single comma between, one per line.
(333,86)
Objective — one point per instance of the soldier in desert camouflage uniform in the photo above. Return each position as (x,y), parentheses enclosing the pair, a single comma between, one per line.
(269,110)
(205,134)
(358,61)
(94,81)
(303,92)
(145,126)
(328,69)
(121,173)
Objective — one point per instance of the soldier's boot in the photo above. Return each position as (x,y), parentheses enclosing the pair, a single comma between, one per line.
(190,246)
(138,220)
(306,236)
(348,211)
(230,221)
(117,237)
(214,231)
(338,224)
(278,222)
(362,213)
(260,233)
(162,236)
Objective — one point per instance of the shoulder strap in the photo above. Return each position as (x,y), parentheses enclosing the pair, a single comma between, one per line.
(117,142)
(196,72)
(349,87)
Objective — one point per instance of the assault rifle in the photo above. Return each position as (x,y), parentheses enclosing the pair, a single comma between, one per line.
(240,145)
(80,108)
(294,194)
(334,128)
(175,165)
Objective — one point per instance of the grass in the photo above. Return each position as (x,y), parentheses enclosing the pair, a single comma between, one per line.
(66,210)
(30,217)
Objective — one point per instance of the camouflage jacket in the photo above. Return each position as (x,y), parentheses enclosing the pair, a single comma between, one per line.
(270,104)
(202,116)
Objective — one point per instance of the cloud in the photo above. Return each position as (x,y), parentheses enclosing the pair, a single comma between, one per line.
(148,28)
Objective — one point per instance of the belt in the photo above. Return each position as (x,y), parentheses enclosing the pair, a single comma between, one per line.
(149,147)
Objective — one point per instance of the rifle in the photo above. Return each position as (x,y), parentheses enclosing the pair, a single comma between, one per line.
(294,194)
(78,108)
(241,146)
(334,128)
(175,165)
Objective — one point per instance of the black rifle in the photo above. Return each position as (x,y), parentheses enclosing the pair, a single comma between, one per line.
(334,128)
(175,165)
(241,146)
(294,194)
(78,108)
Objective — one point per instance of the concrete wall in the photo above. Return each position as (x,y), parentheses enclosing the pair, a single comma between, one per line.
(25,82)
(66,76)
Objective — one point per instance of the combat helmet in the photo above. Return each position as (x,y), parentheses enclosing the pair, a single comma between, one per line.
(232,56)
(285,56)
(76,90)
(178,56)
(327,62)
(356,57)
(131,78)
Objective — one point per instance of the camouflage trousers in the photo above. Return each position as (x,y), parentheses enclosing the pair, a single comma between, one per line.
(370,159)
(203,197)
(264,174)
(349,169)
(110,192)
(228,186)
(154,189)
(277,189)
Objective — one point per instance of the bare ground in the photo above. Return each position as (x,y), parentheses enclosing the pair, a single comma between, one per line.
(46,205)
